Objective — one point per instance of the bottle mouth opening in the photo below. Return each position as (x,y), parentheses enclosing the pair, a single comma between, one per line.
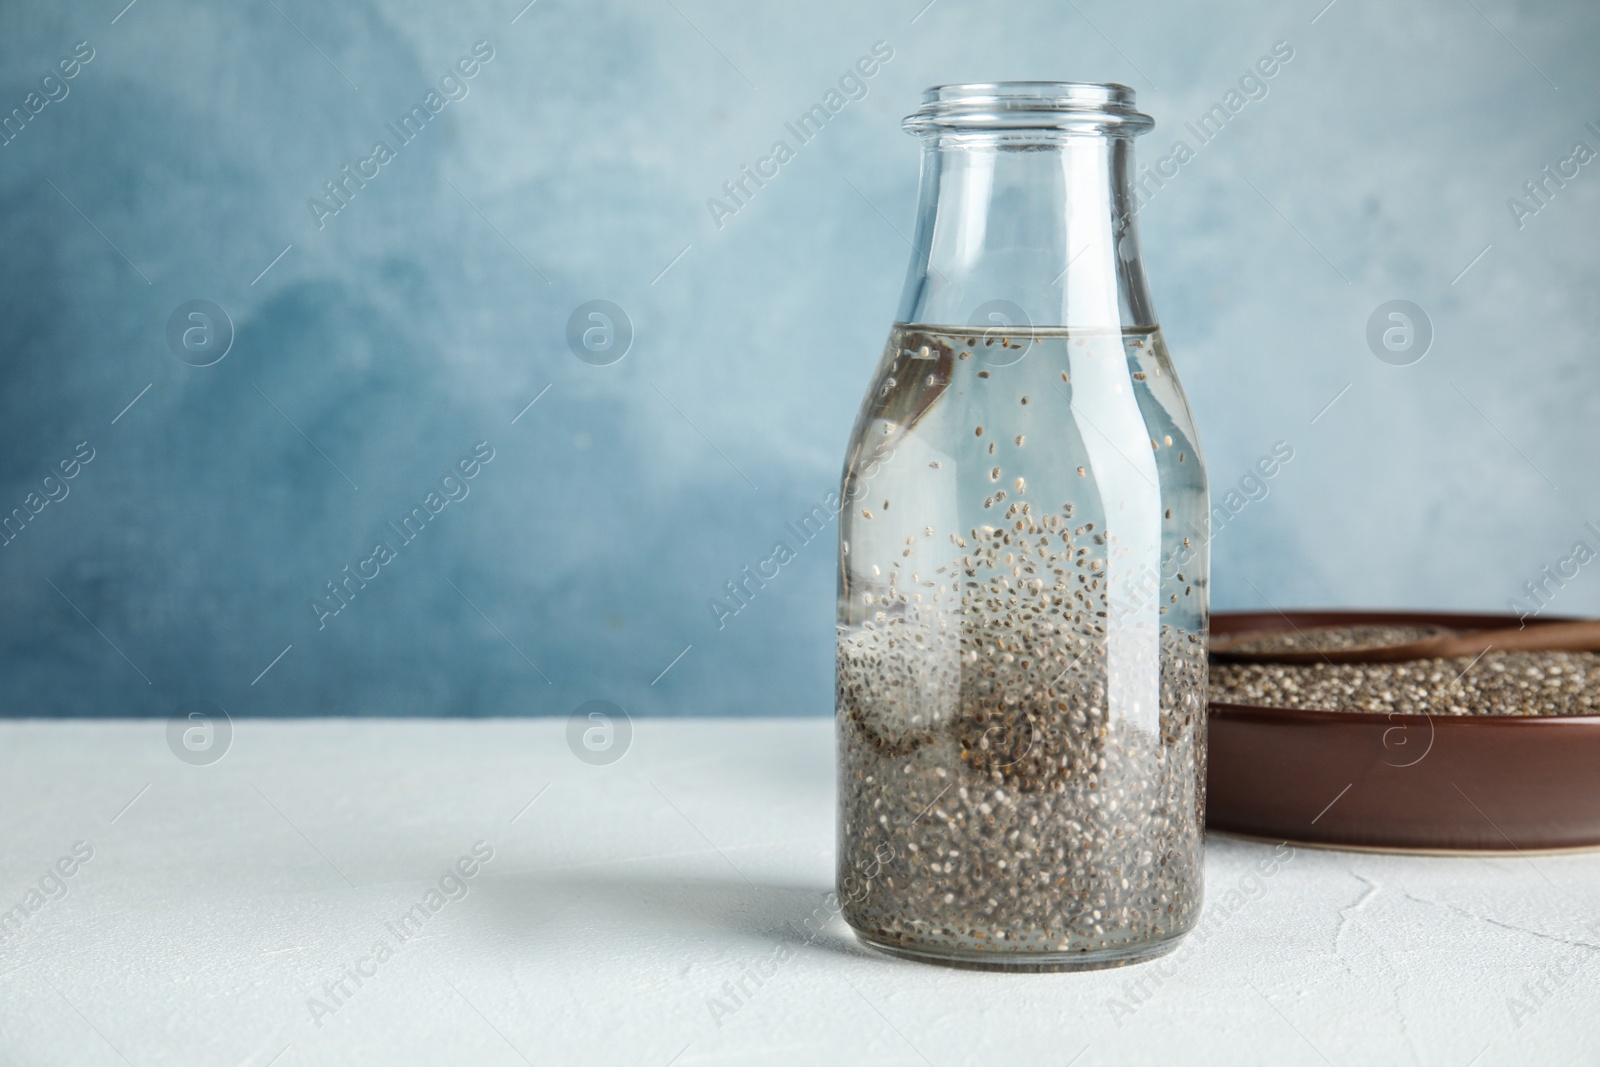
(1087,107)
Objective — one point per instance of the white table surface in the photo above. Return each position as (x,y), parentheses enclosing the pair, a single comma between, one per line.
(617,907)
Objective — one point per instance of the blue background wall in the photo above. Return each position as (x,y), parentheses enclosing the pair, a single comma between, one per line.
(426,314)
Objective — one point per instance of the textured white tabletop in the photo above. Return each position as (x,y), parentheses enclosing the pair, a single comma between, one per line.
(654,911)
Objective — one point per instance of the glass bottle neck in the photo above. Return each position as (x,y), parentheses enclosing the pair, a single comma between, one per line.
(1027,232)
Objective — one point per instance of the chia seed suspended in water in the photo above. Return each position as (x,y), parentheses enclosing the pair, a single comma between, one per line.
(1004,797)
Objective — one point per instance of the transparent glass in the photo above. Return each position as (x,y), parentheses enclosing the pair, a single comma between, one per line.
(1022,620)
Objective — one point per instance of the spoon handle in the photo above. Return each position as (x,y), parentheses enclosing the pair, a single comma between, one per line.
(1578,636)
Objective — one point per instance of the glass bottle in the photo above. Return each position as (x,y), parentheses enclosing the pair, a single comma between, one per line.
(1022,620)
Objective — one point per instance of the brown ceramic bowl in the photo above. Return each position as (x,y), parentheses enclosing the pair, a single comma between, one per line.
(1403,783)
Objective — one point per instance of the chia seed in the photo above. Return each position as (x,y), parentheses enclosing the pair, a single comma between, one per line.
(1498,683)
(991,804)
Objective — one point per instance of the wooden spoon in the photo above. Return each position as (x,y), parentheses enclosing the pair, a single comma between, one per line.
(1441,643)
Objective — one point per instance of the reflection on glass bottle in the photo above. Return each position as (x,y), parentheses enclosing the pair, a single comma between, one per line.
(1023,570)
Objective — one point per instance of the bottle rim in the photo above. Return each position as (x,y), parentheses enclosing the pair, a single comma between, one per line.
(1086,107)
